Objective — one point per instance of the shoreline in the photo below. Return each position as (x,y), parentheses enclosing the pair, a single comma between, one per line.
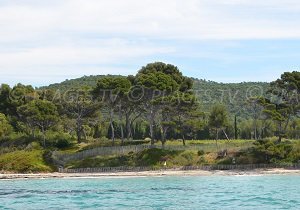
(255,172)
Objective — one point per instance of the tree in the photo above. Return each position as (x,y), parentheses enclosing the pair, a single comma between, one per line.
(5,127)
(283,103)
(280,113)
(79,105)
(218,119)
(185,113)
(130,107)
(294,129)
(39,113)
(235,128)
(256,110)
(159,81)
(111,90)
(20,95)
(5,103)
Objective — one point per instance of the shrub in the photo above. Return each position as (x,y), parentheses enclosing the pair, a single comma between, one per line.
(201,152)
(24,162)
(60,140)
(270,151)
(62,143)
(5,127)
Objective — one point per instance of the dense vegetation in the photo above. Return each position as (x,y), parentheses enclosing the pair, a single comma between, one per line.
(157,104)
(263,151)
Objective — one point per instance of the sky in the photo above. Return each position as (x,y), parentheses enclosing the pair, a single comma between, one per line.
(43,42)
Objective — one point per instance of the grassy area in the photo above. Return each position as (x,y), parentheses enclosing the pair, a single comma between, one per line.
(268,151)
(24,162)
(73,148)
(33,158)
(150,157)
(208,145)
(209,142)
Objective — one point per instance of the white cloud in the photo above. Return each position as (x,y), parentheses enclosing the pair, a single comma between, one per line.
(37,35)
(179,19)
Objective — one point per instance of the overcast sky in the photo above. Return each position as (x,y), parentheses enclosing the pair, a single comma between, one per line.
(42,42)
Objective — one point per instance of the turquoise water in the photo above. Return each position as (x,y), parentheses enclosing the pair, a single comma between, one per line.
(207,192)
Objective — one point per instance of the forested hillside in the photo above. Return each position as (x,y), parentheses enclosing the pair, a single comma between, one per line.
(158,104)
(209,93)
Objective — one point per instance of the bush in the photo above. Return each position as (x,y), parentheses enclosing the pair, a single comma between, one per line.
(24,162)
(201,152)
(5,127)
(59,140)
(16,140)
(136,142)
(33,146)
(270,151)
(62,143)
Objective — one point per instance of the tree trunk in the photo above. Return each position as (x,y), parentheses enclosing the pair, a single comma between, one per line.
(163,140)
(33,133)
(255,129)
(121,127)
(151,122)
(183,139)
(163,143)
(78,132)
(235,128)
(217,130)
(226,135)
(112,127)
(152,132)
(44,137)
(163,136)
(128,127)
(280,132)
(279,138)
(122,133)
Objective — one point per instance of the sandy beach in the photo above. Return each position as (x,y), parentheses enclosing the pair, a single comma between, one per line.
(256,172)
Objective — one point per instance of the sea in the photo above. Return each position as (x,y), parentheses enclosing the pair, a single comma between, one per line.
(166,192)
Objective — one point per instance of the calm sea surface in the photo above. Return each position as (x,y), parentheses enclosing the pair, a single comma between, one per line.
(207,192)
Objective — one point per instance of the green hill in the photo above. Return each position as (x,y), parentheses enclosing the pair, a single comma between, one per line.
(233,95)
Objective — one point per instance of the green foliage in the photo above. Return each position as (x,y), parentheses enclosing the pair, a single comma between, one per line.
(201,152)
(218,117)
(39,113)
(283,102)
(167,96)
(150,157)
(270,151)
(233,95)
(79,106)
(42,114)
(104,142)
(5,127)
(59,140)
(273,151)
(5,103)
(158,102)
(24,162)
(62,143)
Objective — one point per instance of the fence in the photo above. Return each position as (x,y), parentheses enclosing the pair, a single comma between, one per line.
(184,168)
(61,159)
